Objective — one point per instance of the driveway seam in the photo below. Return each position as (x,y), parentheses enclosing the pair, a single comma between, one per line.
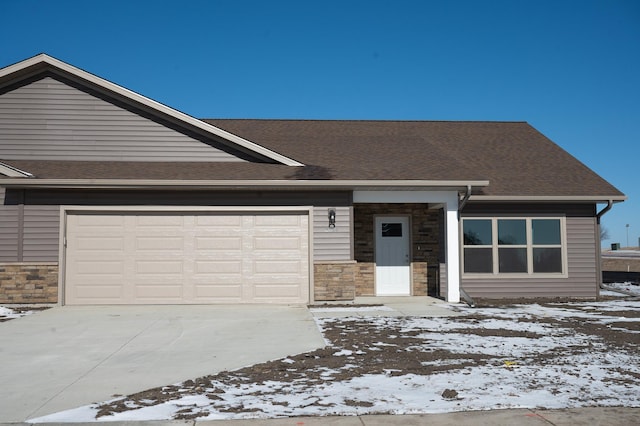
(86,373)
(541,417)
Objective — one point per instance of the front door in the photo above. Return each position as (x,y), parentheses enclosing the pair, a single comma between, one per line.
(393,258)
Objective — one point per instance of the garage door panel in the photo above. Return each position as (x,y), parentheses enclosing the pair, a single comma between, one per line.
(283,291)
(158,220)
(218,220)
(219,267)
(277,243)
(219,292)
(98,268)
(187,258)
(160,243)
(277,221)
(219,243)
(103,244)
(159,267)
(159,292)
(277,269)
(99,292)
(98,221)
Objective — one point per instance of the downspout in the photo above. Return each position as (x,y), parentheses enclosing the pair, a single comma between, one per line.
(599,244)
(464,200)
(467,298)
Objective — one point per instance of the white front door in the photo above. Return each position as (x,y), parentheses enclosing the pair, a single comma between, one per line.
(393,258)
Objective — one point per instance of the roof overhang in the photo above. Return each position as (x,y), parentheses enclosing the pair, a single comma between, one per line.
(548,198)
(42,62)
(405,185)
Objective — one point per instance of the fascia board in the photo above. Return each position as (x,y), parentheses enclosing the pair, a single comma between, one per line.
(13,172)
(150,103)
(239,184)
(543,198)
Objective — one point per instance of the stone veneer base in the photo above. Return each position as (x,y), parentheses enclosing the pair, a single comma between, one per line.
(334,281)
(28,283)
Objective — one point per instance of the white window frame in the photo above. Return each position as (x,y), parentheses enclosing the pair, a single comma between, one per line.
(495,246)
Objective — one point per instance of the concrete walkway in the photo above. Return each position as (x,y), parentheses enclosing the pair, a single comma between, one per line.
(592,416)
(596,416)
(66,357)
(398,306)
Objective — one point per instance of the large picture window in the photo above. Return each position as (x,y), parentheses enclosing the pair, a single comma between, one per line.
(513,245)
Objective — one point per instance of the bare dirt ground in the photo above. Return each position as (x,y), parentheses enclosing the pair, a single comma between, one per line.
(545,341)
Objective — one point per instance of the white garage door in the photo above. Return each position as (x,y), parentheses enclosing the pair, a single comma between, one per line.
(172,258)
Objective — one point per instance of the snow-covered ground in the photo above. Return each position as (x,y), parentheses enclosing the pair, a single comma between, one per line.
(522,356)
(627,288)
(8,313)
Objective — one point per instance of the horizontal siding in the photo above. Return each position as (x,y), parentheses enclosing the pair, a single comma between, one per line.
(443,280)
(49,120)
(8,233)
(331,243)
(581,263)
(41,233)
(42,213)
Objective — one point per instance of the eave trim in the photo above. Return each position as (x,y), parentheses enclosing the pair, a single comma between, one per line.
(13,172)
(541,198)
(150,103)
(239,184)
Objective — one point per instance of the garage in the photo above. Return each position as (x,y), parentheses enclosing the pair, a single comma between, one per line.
(186,257)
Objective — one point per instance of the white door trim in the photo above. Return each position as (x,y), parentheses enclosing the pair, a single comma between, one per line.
(394,279)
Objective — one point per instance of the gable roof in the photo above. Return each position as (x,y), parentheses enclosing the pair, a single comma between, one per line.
(500,160)
(45,65)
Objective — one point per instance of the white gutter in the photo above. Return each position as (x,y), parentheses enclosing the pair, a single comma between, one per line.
(105,84)
(236,184)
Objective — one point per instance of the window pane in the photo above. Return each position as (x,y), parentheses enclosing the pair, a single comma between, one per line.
(477,232)
(546,231)
(512,231)
(478,260)
(512,259)
(392,229)
(547,260)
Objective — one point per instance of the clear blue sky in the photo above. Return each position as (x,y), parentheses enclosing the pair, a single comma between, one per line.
(570,68)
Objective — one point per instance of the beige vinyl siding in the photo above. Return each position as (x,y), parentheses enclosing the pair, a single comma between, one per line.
(41,233)
(50,120)
(443,279)
(8,231)
(581,263)
(332,243)
(327,244)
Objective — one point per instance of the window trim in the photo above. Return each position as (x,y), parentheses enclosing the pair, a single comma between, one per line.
(495,246)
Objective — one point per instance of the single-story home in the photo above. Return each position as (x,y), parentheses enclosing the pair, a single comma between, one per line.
(108,197)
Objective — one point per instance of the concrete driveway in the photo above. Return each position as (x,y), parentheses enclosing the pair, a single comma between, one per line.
(68,356)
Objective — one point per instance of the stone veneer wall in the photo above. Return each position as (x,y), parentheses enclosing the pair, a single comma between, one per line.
(334,281)
(425,246)
(27,282)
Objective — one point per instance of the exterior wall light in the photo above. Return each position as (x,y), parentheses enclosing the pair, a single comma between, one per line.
(332,218)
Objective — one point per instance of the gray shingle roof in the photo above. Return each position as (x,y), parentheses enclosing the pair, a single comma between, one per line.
(515,158)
